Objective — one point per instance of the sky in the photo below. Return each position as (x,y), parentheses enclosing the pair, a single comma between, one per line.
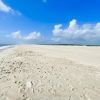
(50,21)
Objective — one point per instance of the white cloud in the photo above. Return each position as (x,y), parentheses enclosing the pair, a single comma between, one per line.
(30,36)
(4,7)
(76,31)
(7,9)
(16,35)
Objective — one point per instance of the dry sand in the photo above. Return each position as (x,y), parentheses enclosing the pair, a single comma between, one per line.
(39,72)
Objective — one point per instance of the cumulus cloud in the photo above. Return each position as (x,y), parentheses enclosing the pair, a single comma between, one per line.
(30,36)
(76,31)
(4,7)
(16,35)
(7,9)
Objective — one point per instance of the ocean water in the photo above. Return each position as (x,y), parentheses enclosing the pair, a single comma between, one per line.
(4,46)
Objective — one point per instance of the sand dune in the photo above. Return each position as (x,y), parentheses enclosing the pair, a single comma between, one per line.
(39,72)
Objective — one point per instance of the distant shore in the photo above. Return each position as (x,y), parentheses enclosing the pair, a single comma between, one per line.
(53,44)
(72,44)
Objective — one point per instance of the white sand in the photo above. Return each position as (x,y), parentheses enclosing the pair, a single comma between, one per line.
(37,72)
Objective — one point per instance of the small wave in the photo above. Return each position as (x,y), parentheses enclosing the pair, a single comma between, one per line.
(5,47)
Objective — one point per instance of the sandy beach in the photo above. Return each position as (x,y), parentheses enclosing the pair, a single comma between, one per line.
(46,72)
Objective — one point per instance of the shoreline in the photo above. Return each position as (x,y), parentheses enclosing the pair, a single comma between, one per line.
(3,47)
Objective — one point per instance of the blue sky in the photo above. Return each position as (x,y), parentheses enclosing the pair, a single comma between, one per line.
(50,21)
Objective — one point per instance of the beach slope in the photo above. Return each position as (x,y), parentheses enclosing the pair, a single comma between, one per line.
(46,72)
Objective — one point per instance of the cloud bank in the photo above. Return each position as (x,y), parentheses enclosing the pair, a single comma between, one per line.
(75,31)
(30,36)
